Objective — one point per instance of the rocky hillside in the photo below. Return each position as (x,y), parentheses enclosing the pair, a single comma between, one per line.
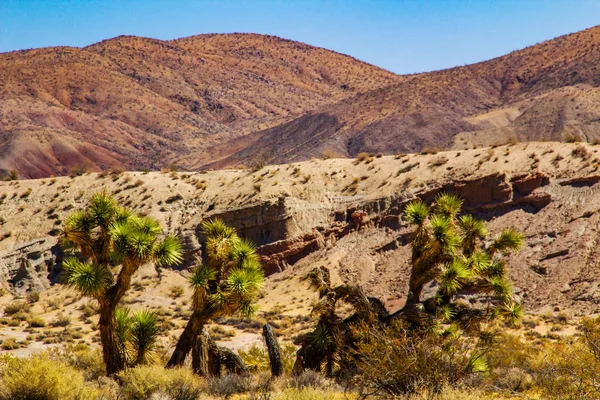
(345,214)
(141,103)
(548,91)
(214,101)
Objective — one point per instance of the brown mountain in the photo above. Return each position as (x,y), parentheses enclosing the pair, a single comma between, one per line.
(221,100)
(144,103)
(544,92)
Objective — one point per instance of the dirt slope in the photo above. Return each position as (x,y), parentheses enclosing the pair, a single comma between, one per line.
(144,103)
(551,90)
(214,101)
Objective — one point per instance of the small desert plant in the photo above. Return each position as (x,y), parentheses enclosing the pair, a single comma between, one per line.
(328,154)
(37,322)
(15,307)
(363,156)
(439,161)
(176,291)
(571,138)
(581,152)
(228,385)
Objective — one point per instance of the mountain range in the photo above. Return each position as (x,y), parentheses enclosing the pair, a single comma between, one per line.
(224,100)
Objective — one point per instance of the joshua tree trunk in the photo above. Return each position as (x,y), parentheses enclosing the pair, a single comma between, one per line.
(208,358)
(307,357)
(274,350)
(232,362)
(111,348)
(187,339)
(200,354)
(415,287)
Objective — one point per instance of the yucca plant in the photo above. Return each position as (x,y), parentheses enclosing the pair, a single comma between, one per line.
(455,251)
(326,346)
(111,244)
(226,283)
(138,333)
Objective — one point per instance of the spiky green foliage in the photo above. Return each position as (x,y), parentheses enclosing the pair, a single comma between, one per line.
(453,250)
(138,333)
(231,278)
(327,346)
(111,243)
(114,243)
(227,282)
(144,334)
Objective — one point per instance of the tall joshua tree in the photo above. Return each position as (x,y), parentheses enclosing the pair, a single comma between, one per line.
(454,250)
(113,243)
(228,282)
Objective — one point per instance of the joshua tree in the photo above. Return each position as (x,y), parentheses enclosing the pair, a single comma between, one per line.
(328,344)
(227,283)
(113,243)
(453,251)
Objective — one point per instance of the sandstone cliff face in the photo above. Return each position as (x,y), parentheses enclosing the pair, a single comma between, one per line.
(323,216)
(32,267)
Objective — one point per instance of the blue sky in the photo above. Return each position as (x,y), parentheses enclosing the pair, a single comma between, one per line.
(403,36)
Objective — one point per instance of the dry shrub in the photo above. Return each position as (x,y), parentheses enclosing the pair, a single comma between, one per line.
(42,378)
(581,152)
(147,381)
(228,385)
(413,362)
(363,156)
(571,138)
(431,150)
(310,394)
(453,393)
(511,141)
(329,154)
(310,379)
(571,370)
(439,161)
(16,307)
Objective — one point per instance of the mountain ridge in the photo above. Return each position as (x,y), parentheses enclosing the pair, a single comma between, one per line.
(221,100)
